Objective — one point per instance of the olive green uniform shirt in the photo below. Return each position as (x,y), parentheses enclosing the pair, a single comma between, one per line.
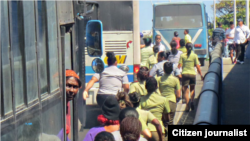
(183,49)
(138,87)
(168,84)
(145,117)
(188,63)
(157,105)
(152,60)
(187,38)
(146,52)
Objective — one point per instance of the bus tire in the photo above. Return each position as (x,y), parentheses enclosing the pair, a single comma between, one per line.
(202,61)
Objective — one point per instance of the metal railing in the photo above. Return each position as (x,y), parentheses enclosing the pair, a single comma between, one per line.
(208,108)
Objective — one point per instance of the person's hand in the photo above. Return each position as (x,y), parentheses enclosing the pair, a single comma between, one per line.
(248,39)
(202,78)
(85,95)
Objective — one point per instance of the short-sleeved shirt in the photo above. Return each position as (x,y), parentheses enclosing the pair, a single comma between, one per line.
(187,38)
(146,116)
(157,105)
(162,47)
(183,49)
(230,32)
(118,137)
(157,69)
(111,80)
(188,63)
(90,136)
(138,87)
(152,60)
(174,58)
(168,84)
(146,52)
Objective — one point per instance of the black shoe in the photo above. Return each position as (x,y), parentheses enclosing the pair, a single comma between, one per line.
(192,105)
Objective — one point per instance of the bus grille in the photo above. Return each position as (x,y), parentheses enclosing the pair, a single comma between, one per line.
(119,47)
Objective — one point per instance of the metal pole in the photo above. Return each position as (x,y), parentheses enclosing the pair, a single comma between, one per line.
(214,14)
(235,23)
(247,13)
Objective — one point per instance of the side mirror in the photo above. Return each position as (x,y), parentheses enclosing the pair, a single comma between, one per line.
(209,25)
(124,68)
(98,65)
(94,38)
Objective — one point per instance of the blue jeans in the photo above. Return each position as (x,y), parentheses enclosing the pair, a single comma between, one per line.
(226,53)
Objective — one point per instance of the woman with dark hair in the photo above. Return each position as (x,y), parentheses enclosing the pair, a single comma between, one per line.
(158,68)
(130,112)
(123,100)
(182,46)
(176,39)
(104,136)
(146,116)
(109,119)
(170,88)
(146,52)
(187,62)
(139,86)
(156,104)
(130,129)
(111,80)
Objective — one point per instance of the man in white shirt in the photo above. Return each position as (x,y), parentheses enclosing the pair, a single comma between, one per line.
(159,44)
(230,36)
(241,35)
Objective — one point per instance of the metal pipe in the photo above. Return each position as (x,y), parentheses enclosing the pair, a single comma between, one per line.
(214,14)
(247,13)
(235,23)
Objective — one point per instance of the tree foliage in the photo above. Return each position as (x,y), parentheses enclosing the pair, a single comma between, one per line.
(225,12)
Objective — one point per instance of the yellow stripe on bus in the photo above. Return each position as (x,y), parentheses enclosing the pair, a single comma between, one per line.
(120,59)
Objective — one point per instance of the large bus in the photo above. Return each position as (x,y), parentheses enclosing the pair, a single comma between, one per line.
(171,17)
(121,35)
(39,40)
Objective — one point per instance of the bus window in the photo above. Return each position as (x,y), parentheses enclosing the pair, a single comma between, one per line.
(52,44)
(41,46)
(6,71)
(17,52)
(30,50)
(181,15)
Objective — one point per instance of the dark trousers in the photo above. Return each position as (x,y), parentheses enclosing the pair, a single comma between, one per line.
(240,51)
(100,98)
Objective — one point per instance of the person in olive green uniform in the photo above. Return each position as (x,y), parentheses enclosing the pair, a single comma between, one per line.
(187,62)
(152,60)
(183,47)
(146,116)
(156,104)
(146,52)
(187,37)
(139,86)
(169,86)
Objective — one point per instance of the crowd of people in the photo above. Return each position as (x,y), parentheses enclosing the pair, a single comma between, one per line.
(143,109)
(234,40)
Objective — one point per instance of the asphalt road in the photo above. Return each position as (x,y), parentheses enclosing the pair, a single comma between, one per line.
(181,118)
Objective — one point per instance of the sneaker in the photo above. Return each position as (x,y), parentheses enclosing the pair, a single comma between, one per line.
(241,62)
(238,61)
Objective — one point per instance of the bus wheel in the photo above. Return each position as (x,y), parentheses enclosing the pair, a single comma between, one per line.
(202,61)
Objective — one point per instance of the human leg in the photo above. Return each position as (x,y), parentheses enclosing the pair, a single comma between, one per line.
(243,48)
(238,51)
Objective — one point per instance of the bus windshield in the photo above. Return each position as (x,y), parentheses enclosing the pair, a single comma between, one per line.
(178,16)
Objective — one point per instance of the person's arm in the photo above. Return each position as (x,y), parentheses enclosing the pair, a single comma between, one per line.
(147,134)
(89,86)
(142,46)
(125,83)
(158,127)
(248,33)
(152,72)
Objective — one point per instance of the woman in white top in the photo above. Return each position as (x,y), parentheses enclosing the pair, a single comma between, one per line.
(111,80)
